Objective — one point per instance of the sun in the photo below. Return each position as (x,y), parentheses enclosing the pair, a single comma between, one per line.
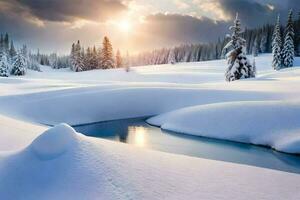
(125,26)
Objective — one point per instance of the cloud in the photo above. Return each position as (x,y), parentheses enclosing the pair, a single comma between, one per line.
(49,24)
(169,29)
(258,12)
(67,10)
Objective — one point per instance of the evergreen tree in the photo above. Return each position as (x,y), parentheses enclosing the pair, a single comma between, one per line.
(255,47)
(19,65)
(107,60)
(171,57)
(297,35)
(119,60)
(263,44)
(127,62)
(53,60)
(12,51)
(6,43)
(72,57)
(4,64)
(276,46)
(239,66)
(94,60)
(88,59)
(77,57)
(1,42)
(288,51)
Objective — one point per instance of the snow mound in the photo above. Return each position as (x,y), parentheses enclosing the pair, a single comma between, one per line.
(271,123)
(54,142)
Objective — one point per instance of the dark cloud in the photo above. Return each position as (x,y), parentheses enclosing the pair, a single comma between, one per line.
(167,29)
(70,10)
(257,12)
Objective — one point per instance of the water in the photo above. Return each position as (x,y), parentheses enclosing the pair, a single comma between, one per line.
(137,132)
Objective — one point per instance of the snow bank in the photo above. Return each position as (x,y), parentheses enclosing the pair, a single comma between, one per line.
(271,123)
(99,169)
(54,142)
(16,135)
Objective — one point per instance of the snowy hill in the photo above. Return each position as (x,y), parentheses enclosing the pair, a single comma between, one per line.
(186,97)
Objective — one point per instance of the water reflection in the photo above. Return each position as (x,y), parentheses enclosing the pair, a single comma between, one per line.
(137,132)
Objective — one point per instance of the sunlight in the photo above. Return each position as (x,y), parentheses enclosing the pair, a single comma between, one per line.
(125,26)
(139,138)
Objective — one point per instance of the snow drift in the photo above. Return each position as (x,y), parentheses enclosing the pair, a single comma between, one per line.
(63,164)
(271,123)
(54,142)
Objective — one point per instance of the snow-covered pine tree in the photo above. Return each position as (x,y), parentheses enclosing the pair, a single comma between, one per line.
(127,62)
(25,54)
(6,43)
(239,66)
(78,62)
(276,46)
(263,44)
(72,57)
(119,60)
(255,47)
(297,35)
(94,59)
(1,42)
(4,64)
(107,60)
(12,51)
(288,51)
(88,59)
(254,67)
(99,58)
(172,57)
(53,61)
(19,65)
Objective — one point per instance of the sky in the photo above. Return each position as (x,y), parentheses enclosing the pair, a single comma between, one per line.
(133,25)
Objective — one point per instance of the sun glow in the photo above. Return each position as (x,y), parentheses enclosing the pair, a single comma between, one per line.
(139,138)
(125,26)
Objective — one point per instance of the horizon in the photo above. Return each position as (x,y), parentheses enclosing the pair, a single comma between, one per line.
(134,26)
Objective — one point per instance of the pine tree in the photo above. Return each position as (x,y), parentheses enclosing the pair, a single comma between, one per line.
(72,57)
(88,59)
(6,43)
(239,66)
(1,42)
(171,57)
(19,65)
(263,44)
(107,60)
(255,47)
(77,59)
(276,46)
(94,60)
(119,60)
(4,64)
(127,62)
(288,51)
(12,52)
(53,60)
(297,35)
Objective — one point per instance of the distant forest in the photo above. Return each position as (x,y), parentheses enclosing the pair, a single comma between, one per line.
(259,40)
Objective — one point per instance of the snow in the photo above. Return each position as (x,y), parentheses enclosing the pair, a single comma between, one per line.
(270,123)
(98,169)
(53,142)
(59,163)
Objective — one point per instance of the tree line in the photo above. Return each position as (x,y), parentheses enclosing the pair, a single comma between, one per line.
(15,61)
(239,66)
(258,40)
(93,58)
